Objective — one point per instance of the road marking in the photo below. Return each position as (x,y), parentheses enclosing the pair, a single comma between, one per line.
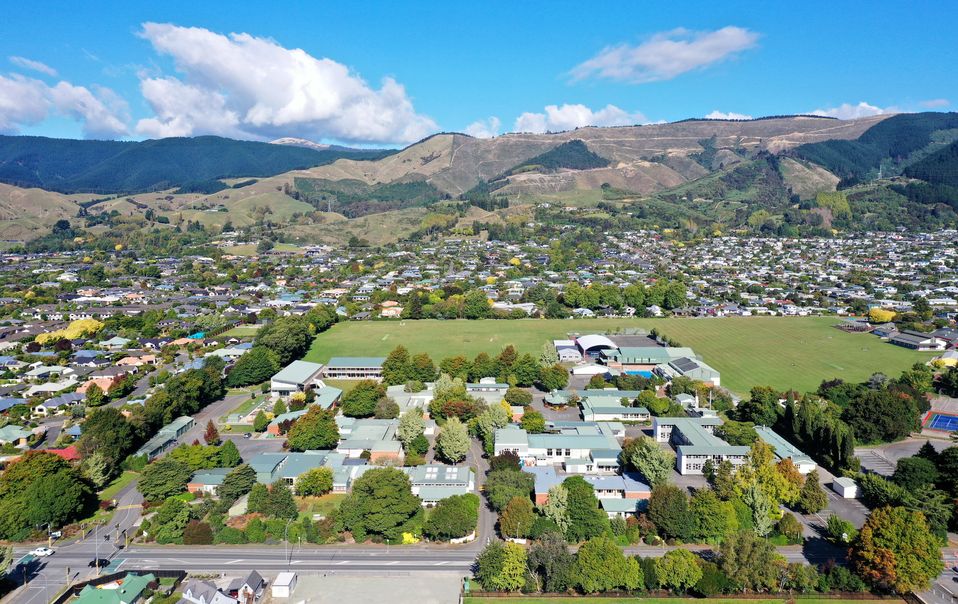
(233,561)
(343,562)
(393,563)
(441,563)
(295,561)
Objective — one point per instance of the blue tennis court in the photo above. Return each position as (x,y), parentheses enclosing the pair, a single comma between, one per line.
(939,421)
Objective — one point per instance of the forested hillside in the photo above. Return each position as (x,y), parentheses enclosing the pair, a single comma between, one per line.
(88,166)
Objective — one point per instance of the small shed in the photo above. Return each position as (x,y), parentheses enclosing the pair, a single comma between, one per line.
(284,585)
(845,487)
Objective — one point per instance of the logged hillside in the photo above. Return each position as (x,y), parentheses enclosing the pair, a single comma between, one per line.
(81,166)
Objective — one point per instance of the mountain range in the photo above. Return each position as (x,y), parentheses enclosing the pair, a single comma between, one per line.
(787,174)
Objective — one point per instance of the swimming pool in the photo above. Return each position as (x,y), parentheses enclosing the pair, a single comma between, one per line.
(642,372)
(941,421)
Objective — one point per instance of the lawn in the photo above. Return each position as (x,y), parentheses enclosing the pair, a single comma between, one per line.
(241,331)
(320,505)
(119,483)
(782,352)
(588,600)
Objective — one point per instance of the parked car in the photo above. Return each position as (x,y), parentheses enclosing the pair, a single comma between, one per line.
(247,435)
(42,552)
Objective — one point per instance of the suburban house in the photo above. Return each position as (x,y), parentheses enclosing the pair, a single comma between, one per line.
(128,590)
(355,368)
(204,592)
(207,481)
(249,589)
(298,376)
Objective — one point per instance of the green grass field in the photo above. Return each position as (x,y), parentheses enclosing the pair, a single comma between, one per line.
(242,331)
(782,352)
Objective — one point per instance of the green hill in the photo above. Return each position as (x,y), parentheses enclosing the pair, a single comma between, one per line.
(571,155)
(87,166)
(890,144)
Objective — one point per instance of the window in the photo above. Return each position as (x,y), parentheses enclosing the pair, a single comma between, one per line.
(568,452)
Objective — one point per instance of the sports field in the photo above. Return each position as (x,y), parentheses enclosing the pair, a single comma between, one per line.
(782,352)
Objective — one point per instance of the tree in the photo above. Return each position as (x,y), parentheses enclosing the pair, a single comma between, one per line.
(381,504)
(761,505)
(452,444)
(914,472)
(597,382)
(750,562)
(237,483)
(713,518)
(601,566)
(516,520)
(95,396)
(41,488)
(678,570)
(586,520)
(457,367)
(170,521)
(533,422)
(501,566)
(790,528)
(279,408)
(386,408)
(422,368)
(98,470)
(669,511)
(552,377)
(288,337)
(551,564)
(895,550)
(229,455)
(506,359)
(315,430)
(453,517)
(212,435)
(651,460)
(518,396)
(260,422)
(258,495)
(396,367)
(483,366)
(411,425)
(107,431)
(164,478)
(279,502)
(502,485)
(741,434)
(315,482)
(475,305)
(556,507)
(361,400)
(197,533)
(526,370)
(257,365)
(881,415)
(812,498)
(549,355)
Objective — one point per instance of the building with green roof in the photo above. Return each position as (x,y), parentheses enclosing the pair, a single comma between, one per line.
(128,590)
(695,442)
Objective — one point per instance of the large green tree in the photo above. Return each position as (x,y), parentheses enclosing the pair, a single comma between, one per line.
(164,478)
(361,400)
(669,511)
(237,483)
(586,519)
(601,566)
(452,444)
(288,337)
(315,430)
(453,517)
(41,489)
(652,461)
(750,562)
(678,570)
(382,503)
(257,365)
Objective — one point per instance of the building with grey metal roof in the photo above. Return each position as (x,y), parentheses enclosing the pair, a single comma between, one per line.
(695,442)
(355,368)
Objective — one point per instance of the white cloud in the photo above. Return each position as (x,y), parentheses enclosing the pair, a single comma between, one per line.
(569,117)
(731,115)
(847,111)
(26,63)
(666,55)
(27,101)
(487,128)
(935,103)
(253,87)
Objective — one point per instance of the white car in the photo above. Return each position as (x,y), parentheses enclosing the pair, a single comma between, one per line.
(42,552)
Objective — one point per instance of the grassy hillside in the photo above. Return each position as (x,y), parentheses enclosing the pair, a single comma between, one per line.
(783,352)
(572,155)
(75,166)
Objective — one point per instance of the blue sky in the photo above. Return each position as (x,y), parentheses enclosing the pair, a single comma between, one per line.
(390,73)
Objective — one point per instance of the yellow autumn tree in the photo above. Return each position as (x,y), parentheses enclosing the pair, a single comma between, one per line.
(880,315)
(80,328)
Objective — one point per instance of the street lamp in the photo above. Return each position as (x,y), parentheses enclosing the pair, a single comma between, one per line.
(286,542)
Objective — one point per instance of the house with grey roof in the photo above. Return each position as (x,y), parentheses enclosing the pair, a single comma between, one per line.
(695,443)
(298,376)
